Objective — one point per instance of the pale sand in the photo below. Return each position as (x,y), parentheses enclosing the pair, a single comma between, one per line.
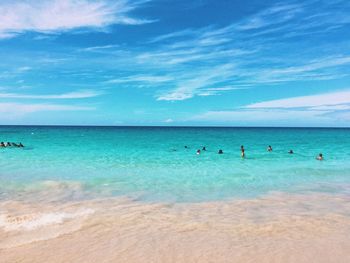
(277,228)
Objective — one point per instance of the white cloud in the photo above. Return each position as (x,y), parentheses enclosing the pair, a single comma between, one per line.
(178,94)
(99,48)
(23,69)
(311,66)
(50,16)
(319,100)
(20,109)
(141,78)
(274,117)
(81,94)
(196,83)
(340,107)
(326,109)
(260,115)
(168,120)
(276,14)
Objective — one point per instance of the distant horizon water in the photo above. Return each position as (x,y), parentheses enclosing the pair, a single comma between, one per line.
(174,126)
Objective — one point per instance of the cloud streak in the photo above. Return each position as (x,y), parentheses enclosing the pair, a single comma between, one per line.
(82,94)
(54,16)
(264,59)
(20,108)
(330,109)
(319,100)
(141,78)
(197,85)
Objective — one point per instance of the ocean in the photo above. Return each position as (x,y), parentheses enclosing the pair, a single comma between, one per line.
(152,163)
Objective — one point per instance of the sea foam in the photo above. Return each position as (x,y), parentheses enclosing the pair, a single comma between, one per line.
(33,221)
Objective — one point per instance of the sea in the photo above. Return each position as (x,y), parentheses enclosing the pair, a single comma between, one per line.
(152,164)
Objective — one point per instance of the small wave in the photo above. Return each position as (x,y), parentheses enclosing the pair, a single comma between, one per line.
(34,221)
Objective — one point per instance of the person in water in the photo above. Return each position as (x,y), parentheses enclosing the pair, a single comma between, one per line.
(198,151)
(8,144)
(320,157)
(2,144)
(204,149)
(220,152)
(242,151)
(269,149)
(290,152)
(21,145)
(186,147)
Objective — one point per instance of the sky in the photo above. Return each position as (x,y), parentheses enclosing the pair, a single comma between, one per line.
(175,62)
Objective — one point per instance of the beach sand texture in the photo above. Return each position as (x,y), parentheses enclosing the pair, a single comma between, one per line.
(278,227)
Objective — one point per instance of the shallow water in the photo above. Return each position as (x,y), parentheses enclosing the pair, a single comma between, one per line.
(151,164)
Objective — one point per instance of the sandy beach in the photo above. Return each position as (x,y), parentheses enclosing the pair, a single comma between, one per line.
(276,228)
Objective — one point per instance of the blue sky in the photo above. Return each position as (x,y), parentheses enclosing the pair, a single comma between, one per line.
(162,62)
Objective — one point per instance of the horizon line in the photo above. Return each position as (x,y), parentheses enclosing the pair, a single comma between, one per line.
(170,126)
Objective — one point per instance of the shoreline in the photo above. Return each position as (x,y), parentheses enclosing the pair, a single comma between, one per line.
(278,227)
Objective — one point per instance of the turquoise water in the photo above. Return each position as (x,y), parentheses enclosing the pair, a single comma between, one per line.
(153,164)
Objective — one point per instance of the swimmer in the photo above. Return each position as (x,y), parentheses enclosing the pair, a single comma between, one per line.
(320,157)
(15,144)
(290,152)
(2,144)
(220,152)
(198,151)
(20,145)
(269,149)
(8,144)
(242,151)
(204,149)
(186,147)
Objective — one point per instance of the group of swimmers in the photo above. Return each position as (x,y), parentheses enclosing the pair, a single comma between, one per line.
(11,144)
(269,149)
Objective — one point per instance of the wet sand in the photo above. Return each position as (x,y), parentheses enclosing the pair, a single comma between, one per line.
(279,227)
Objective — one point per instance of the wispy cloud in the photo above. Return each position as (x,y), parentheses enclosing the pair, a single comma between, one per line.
(141,78)
(61,15)
(20,108)
(262,60)
(15,72)
(195,85)
(257,116)
(257,50)
(277,14)
(98,48)
(274,117)
(330,109)
(169,120)
(319,100)
(81,94)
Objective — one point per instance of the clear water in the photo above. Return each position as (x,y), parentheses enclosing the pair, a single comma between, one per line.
(152,164)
